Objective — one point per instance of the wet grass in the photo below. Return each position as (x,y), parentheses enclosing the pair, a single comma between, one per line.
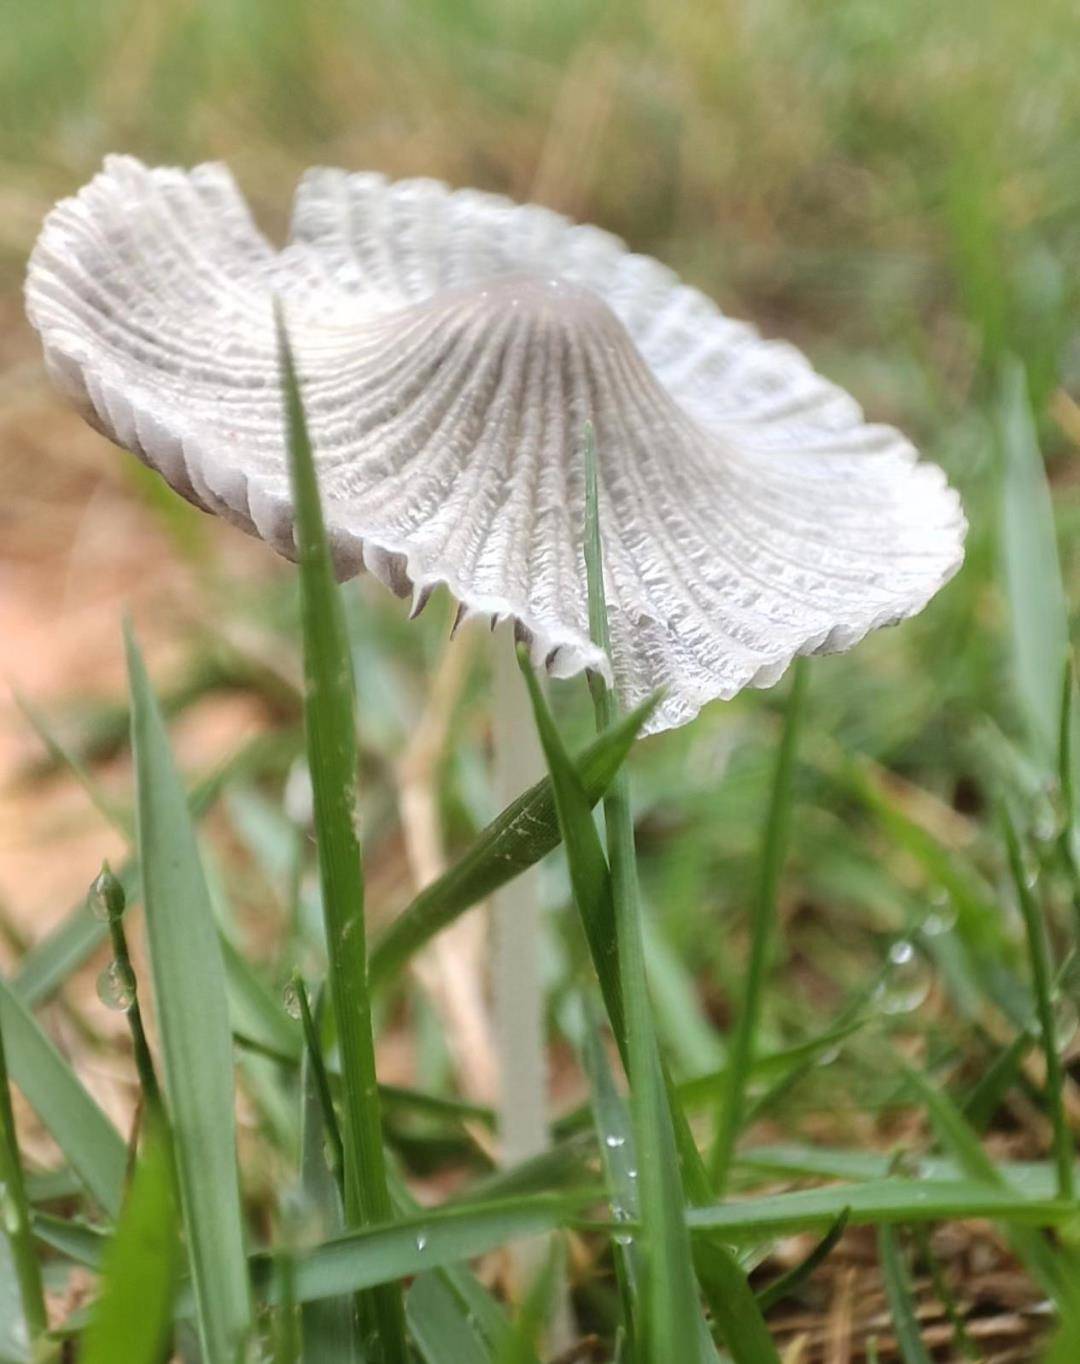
(892,187)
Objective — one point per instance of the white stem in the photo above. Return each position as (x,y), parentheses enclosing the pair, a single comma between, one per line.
(516,930)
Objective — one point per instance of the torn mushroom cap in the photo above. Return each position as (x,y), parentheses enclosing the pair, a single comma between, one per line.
(452,346)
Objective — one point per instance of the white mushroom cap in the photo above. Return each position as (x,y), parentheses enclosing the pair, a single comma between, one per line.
(452,346)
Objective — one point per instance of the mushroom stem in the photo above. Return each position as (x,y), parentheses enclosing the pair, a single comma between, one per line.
(516,928)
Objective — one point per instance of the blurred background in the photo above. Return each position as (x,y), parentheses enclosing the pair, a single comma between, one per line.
(891,186)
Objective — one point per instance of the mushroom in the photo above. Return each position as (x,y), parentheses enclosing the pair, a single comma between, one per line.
(454,345)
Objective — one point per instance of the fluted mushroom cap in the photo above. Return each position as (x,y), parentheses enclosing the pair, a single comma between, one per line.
(452,346)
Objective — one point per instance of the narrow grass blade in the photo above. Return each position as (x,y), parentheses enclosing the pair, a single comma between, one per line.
(789,1284)
(133,1317)
(193,1024)
(439,1328)
(669,1296)
(1041,972)
(1030,565)
(526,831)
(1058,1271)
(589,875)
(1067,755)
(92,1145)
(994,1083)
(732,1099)
(79,934)
(901,1303)
(417,1243)
(616,1143)
(482,1317)
(876,1201)
(62,756)
(329,698)
(326,1326)
(15,1226)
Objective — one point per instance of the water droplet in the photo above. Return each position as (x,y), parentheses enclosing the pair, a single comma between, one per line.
(290,999)
(116,986)
(9,1211)
(829,1056)
(631,1173)
(613,1141)
(900,953)
(106,896)
(939,921)
(421,1240)
(623,1238)
(908,981)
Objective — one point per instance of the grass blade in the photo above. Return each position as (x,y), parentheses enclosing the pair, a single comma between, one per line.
(15,1217)
(329,698)
(326,1326)
(414,1244)
(92,1145)
(616,1144)
(788,1284)
(1039,952)
(901,1303)
(669,1296)
(439,1327)
(193,1023)
(888,1200)
(741,1055)
(1030,564)
(527,830)
(133,1317)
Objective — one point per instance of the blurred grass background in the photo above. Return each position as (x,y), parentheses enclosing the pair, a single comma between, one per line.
(892,186)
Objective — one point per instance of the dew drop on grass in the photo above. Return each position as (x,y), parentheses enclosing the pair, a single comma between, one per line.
(116,986)
(9,1212)
(421,1240)
(98,901)
(829,1057)
(290,999)
(942,916)
(613,1141)
(908,981)
(106,896)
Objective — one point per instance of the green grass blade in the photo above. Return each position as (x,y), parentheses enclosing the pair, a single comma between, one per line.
(15,1228)
(326,1326)
(732,1099)
(616,1144)
(1067,784)
(65,758)
(526,831)
(1030,564)
(193,1024)
(329,699)
(789,1284)
(669,1296)
(1041,972)
(133,1317)
(877,1201)
(92,1145)
(901,1303)
(417,1243)
(79,934)
(440,1329)
(589,875)
(1056,1271)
